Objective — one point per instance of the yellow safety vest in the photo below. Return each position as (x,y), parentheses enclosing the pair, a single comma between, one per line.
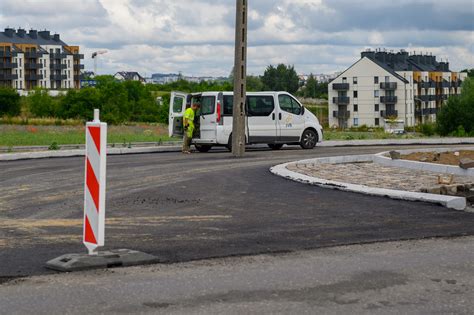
(189,116)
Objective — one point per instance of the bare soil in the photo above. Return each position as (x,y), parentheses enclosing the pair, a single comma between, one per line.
(446,158)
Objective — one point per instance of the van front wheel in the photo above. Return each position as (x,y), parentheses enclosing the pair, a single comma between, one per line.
(203,148)
(308,139)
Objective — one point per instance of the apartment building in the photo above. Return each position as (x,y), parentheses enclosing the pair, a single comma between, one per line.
(38,59)
(385,85)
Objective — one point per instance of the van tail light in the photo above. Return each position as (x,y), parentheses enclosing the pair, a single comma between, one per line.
(218,119)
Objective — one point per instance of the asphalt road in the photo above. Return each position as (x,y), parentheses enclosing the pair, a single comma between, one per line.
(184,208)
(410,277)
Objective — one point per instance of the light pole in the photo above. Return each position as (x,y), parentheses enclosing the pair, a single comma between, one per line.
(240,80)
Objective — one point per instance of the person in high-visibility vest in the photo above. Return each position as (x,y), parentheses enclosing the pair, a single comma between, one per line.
(188,122)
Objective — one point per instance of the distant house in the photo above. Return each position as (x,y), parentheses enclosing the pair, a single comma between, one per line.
(129,76)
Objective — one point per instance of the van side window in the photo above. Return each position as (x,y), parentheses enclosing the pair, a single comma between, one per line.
(208,104)
(178,104)
(289,104)
(260,105)
(228,105)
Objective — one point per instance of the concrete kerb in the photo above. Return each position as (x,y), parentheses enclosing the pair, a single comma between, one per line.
(81,152)
(457,203)
(177,148)
(383,159)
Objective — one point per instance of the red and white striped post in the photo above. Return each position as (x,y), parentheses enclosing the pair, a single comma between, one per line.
(94,190)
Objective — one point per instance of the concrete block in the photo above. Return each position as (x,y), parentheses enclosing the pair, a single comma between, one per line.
(104,259)
(466,163)
(394,155)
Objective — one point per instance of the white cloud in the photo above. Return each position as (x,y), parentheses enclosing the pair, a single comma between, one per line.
(196,37)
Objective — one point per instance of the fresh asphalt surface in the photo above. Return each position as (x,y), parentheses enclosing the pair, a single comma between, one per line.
(183,208)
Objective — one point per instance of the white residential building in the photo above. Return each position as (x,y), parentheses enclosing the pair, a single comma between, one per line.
(383,85)
(38,59)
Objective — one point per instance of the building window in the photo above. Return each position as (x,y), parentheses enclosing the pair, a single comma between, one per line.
(376,107)
(387,79)
(376,80)
(356,122)
(356,108)
(355,94)
(355,80)
(376,93)
(377,121)
(344,80)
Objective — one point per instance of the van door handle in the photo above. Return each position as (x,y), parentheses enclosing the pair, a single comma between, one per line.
(273,116)
(279,116)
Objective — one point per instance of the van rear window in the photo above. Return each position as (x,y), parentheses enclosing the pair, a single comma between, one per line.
(228,105)
(208,104)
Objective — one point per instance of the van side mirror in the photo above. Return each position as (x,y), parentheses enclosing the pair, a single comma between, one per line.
(302,110)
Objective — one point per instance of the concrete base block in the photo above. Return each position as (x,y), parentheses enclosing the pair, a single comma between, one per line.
(105,259)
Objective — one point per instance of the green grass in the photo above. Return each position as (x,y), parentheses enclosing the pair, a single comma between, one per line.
(18,135)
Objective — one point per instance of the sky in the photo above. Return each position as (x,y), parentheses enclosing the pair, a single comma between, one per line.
(197,37)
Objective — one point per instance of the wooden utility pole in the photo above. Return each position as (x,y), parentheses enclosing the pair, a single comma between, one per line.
(240,80)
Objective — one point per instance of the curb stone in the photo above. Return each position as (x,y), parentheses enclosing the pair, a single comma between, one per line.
(452,202)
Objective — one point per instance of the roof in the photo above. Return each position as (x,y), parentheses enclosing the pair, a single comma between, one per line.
(32,37)
(389,70)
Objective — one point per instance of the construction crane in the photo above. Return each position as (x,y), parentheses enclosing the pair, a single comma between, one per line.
(94,56)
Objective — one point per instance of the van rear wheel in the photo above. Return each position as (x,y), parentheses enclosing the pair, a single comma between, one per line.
(203,148)
(309,139)
(274,146)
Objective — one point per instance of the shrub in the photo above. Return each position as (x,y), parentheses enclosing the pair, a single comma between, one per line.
(458,111)
(9,102)
(428,129)
(41,104)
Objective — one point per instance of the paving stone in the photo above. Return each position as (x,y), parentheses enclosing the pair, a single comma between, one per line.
(466,163)
(380,176)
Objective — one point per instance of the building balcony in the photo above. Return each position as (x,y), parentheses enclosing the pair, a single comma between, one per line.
(58,77)
(78,56)
(429,111)
(444,84)
(388,99)
(340,86)
(8,77)
(57,66)
(427,98)
(33,54)
(78,67)
(442,97)
(8,65)
(33,66)
(341,114)
(77,77)
(57,55)
(428,85)
(456,84)
(7,53)
(33,77)
(342,100)
(389,113)
(388,85)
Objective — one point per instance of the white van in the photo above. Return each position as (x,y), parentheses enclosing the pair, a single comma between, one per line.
(273,118)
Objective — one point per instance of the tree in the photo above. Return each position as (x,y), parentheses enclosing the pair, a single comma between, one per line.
(470,72)
(281,78)
(311,88)
(458,113)
(9,102)
(41,104)
(254,84)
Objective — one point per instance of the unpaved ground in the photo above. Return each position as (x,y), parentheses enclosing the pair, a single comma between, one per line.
(446,158)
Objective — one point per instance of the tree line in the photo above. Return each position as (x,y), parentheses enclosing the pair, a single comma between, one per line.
(131,101)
